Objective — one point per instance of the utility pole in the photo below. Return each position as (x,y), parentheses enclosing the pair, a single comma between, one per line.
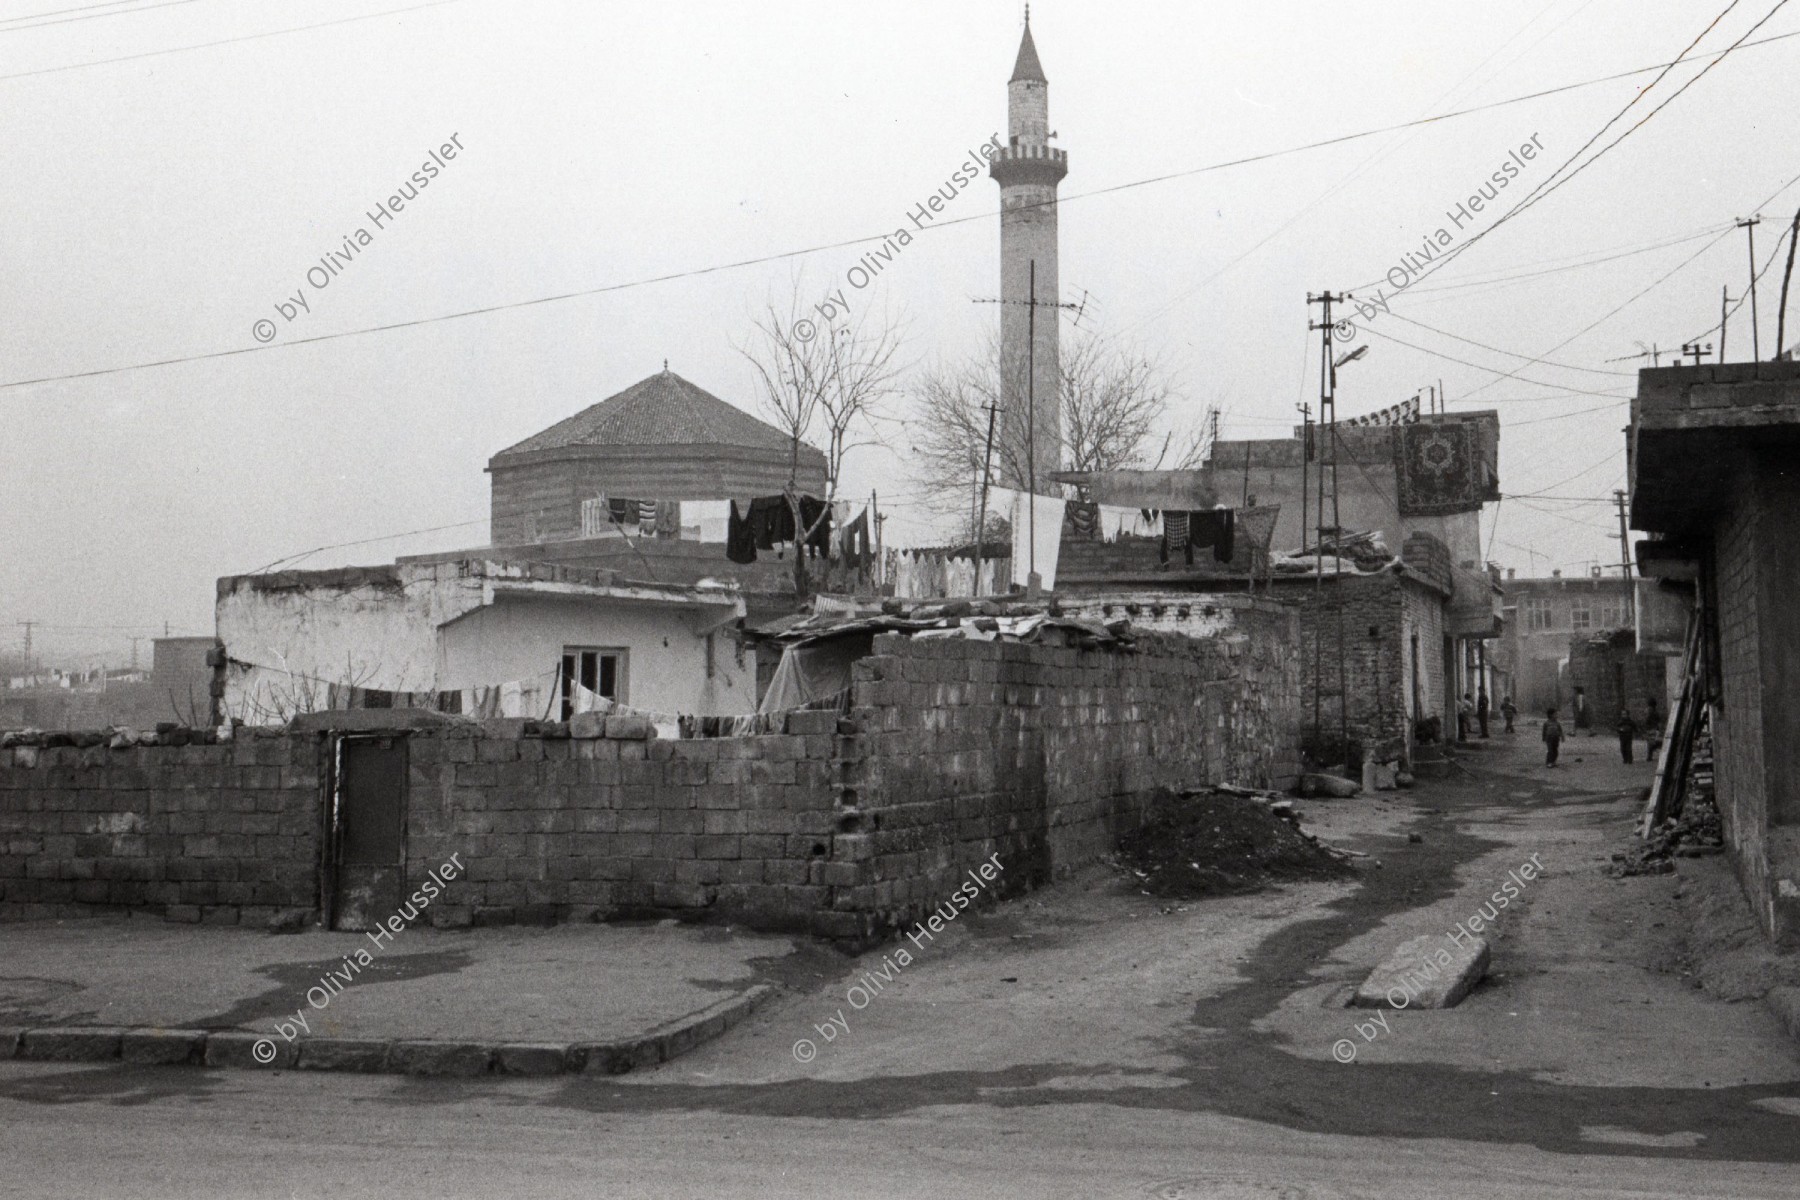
(1787,277)
(987,458)
(1724,301)
(1625,558)
(1696,350)
(1755,331)
(1328,435)
(28,625)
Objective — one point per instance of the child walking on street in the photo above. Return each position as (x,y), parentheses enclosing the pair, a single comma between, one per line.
(1553,735)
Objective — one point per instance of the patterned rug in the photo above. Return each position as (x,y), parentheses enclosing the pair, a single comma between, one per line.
(1439,469)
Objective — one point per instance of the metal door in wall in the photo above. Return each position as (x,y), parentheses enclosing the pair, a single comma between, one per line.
(368,831)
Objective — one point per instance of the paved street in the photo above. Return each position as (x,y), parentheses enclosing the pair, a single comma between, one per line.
(1086,1041)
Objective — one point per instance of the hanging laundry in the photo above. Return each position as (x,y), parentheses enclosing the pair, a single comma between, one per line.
(621,510)
(668,518)
(815,516)
(856,541)
(1213,527)
(740,537)
(772,521)
(1175,537)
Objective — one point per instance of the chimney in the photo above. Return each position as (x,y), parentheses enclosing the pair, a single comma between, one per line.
(1512,572)
(1556,573)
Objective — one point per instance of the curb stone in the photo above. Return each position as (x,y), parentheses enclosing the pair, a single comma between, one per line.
(155,1046)
(233,1048)
(677,1037)
(162,1047)
(93,1043)
(431,1057)
(343,1054)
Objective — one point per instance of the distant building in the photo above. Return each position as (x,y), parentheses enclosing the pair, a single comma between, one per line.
(478,638)
(1411,635)
(1542,617)
(662,439)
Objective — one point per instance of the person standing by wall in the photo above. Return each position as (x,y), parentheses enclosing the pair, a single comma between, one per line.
(1627,732)
(1553,736)
(1481,710)
(1583,723)
(1465,712)
(1509,710)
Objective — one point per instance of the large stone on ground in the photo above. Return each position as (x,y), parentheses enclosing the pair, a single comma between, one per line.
(1432,971)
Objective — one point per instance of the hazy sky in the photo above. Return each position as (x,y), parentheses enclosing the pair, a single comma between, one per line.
(156,208)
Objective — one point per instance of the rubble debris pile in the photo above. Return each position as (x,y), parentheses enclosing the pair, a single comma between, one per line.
(1696,833)
(1223,843)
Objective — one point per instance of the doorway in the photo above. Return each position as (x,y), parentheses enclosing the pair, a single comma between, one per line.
(368,831)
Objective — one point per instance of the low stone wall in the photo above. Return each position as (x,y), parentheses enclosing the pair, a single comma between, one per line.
(953,751)
(200,832)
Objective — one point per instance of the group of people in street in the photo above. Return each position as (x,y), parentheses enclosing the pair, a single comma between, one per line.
(1627,729)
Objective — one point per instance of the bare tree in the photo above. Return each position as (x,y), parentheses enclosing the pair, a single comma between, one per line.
(821,383)
(1113,400)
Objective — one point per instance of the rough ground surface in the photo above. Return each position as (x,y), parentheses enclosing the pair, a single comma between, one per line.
(1212,844)
(568,983)
(1088,1041)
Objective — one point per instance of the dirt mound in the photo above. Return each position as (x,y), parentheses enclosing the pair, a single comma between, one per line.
(1214,844)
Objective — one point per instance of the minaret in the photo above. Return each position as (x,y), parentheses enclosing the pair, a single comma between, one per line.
(1028,170)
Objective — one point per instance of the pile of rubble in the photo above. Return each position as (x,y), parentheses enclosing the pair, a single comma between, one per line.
(1696,833)
(1222,842)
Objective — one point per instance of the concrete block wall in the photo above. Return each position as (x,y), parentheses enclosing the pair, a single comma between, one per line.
(1380,614)
(220,833)
(1740,737)
(954,750)
(734,827)
(1042,755)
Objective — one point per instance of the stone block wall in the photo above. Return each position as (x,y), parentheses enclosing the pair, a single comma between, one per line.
(737,827)
(1372,692)
(1044,755)
(201,832)
(846,826)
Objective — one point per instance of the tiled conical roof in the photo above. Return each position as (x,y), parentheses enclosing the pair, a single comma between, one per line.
(663,410)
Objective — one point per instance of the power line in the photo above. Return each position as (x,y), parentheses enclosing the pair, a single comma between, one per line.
(1555,270)
(1557,179)
(90,17)
(248,37)
(386,537)
(1615,311)
(1512,353)
(767,258)
(1479,367)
